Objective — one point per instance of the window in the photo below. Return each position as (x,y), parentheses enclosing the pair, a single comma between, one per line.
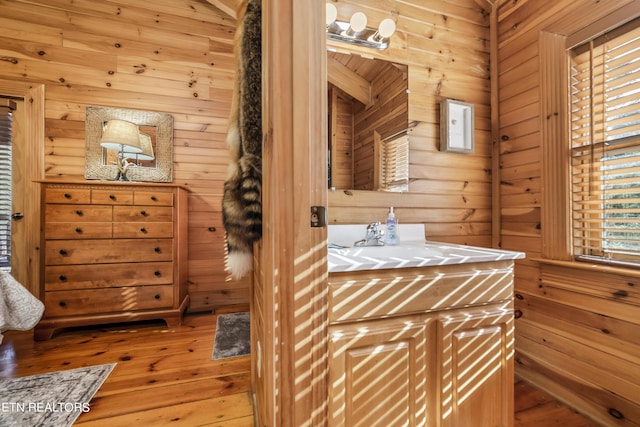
(392,165)
(6,106)
(605,146)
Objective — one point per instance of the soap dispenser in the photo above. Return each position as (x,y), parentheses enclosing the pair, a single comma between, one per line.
(391,237)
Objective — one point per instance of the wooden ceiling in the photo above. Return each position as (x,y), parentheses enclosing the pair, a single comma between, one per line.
(353,74)
(229,7)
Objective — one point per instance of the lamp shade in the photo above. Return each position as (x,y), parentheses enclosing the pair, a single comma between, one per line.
(118,134)
(147,149)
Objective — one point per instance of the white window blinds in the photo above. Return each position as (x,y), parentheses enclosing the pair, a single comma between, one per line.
(394,163)
(605,146)
(6,106)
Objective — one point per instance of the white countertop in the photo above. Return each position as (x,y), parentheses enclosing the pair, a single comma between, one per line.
(413,251)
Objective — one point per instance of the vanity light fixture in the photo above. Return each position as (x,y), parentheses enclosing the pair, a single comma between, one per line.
(356,31)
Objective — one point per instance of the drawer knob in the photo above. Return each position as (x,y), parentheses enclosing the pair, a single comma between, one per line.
(143,213)
(143,230)
(63,278)
(63,252)
(156,296)
(78,230)
(79,212)
(154,198)
(112,196)
(156,249)
(62,304)
(67,195)
(156,273)
(616,414)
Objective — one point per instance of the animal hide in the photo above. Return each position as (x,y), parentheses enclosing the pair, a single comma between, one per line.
(242,199)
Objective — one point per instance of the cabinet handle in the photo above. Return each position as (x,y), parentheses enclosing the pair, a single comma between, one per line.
(67,195)
(143,230)
(154,198)
(143,213)
(79,212)
(517,314)
(112,196)
(63,252)
(78,230)
(156,273)
(62,304)
(156,249)
(63,278)
(156,296)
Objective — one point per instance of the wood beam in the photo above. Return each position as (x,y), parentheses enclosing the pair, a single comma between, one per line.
(230,7)
(348,81)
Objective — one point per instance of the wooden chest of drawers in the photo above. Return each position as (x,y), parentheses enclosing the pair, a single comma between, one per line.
(112,252)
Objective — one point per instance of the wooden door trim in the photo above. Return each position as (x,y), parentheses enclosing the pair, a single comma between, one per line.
(292,266)
(34,99)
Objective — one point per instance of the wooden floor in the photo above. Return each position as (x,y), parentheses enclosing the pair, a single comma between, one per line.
(165,376)
(533,408)
(162,377)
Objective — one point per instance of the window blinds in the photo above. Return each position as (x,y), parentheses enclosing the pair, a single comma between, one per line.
(394,165)
(6,106)
(605,145)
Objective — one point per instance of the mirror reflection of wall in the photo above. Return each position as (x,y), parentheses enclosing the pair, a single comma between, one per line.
(365,97)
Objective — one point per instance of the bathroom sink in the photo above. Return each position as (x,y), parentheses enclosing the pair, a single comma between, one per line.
(404,251)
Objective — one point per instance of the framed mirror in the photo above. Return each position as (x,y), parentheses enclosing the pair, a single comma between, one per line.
(366,97)
(100,163)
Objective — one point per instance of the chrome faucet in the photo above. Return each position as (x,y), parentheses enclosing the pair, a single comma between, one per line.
(374,237)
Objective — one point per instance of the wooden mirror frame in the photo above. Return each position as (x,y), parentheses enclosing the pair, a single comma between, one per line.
(95,167)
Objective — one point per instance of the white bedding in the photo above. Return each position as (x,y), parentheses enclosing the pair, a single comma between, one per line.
(19,309)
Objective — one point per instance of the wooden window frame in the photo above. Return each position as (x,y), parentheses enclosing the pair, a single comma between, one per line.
(555,132)
(386,166)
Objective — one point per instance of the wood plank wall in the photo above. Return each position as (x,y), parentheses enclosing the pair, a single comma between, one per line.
(577,336)
(446,48)
(341,130)
(172,56)
(387,116)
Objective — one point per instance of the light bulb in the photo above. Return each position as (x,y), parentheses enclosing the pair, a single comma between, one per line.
(386,28)
(331,14)
(358,22)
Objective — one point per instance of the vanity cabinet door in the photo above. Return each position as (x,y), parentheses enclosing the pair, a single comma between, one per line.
(379,372)
(476,350)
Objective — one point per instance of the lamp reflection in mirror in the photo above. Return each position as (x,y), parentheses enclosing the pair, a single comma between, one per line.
(117,136)
(147,150)
(356,31)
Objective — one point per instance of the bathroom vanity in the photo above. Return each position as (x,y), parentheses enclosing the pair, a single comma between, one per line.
(420,334)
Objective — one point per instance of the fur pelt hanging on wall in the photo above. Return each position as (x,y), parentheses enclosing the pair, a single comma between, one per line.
(241,202)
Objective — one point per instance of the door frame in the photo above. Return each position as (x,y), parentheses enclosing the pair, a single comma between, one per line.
(292,270)
(34,114)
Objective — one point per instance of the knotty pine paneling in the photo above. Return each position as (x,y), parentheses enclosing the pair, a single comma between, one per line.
(446,48)
(173,56)
(387,116)
(576,337)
